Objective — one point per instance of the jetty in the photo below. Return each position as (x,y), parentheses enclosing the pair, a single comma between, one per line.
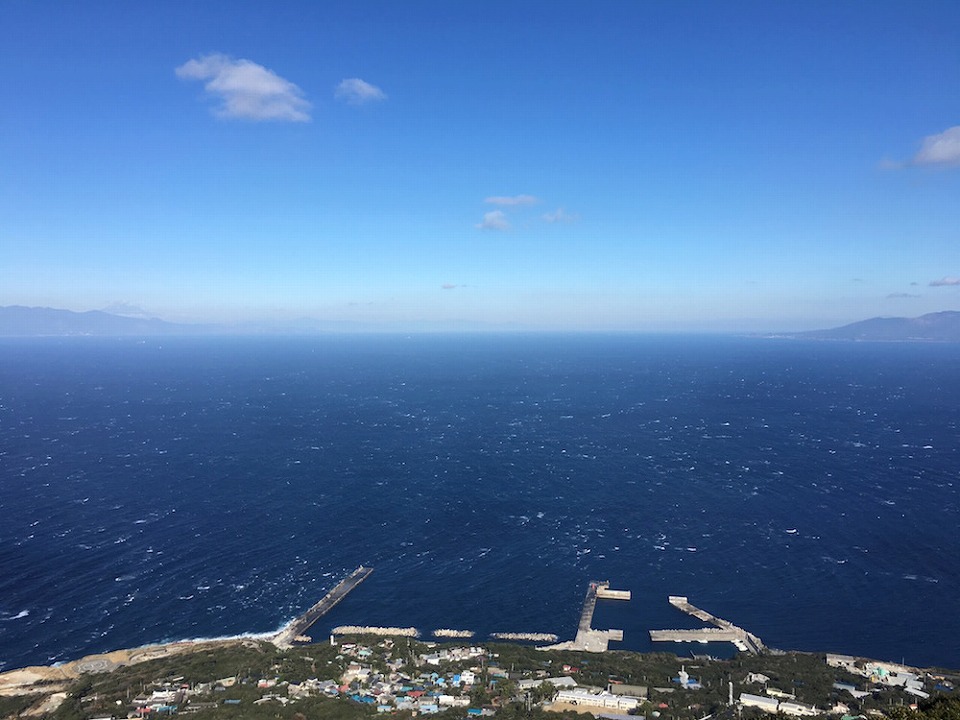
(532,637)
(298,626)
(722,630)
(588,639)
(375,630)
(451,633)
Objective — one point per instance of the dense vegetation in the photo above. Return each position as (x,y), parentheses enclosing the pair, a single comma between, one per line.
(939,708)
(245,664)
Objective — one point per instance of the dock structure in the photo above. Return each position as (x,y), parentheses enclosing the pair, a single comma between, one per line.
(298,627)
(375,630)
(588,639)
(589,605)
(605,593)
(451,633)
(532,637)
(723,630)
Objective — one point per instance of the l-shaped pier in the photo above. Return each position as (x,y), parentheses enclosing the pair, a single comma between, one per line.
(587,638)
(723,630)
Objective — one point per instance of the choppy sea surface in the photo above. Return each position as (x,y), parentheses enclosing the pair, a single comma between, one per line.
(178,488)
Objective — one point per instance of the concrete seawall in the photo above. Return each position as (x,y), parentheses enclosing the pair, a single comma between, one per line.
(299,626)
(723,630)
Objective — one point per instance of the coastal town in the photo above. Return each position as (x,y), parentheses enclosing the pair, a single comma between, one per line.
(367,674)
(364,670)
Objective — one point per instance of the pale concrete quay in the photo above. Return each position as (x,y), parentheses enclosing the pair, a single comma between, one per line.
(534,637)
(724,630)
(297,627)
(588,639)
(375,630)
(712,634)
(451,633)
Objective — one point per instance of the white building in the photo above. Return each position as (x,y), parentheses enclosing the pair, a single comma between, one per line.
(767,704)
(842,661)
(798,709)
(601,699)
(467,677)
(557,682)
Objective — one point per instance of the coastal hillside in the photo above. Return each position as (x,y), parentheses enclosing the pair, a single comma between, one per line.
(933,327)
(366,676)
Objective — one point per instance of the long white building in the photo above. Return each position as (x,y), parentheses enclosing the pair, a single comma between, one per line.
(600,699)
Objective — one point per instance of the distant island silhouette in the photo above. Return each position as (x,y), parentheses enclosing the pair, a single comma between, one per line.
(932,327)
(21,321)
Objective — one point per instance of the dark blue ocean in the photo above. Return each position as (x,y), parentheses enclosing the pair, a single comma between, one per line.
(179,488)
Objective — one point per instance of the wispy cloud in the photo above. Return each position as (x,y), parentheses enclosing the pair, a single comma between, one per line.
(560,216)
(448,286)
(511,201)
(896,296)
(494,220)
(358,92)
(940,149)
(247,90)
(945,282)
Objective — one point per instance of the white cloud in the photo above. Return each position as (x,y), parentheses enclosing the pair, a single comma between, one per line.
(494,220)
(945,282)
(941,149)
(512,201)
(560,216)
(246,89)
(358,92)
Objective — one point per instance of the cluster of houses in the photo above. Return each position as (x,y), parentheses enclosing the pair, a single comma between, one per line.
(427,692)
(880,674)
(877,675)
(390,678)
(174,696)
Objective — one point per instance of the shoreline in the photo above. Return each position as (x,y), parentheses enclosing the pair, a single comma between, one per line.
(53,678)
(16,681)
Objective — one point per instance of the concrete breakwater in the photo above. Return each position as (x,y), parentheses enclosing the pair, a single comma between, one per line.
(535,637)
(298,627)
(723,630)
(448,633)
(712,634)
(372,630)
(587,638)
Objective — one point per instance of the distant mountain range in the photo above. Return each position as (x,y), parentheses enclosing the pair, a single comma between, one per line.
(20,321)
(933,327)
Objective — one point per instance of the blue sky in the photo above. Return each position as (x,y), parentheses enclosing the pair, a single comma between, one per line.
(534,165)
